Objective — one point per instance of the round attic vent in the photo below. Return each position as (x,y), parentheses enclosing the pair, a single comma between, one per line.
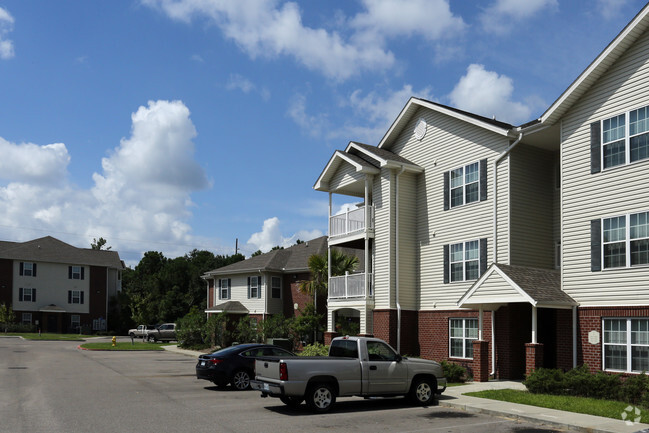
(420,128)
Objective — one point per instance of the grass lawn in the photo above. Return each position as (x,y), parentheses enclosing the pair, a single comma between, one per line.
(48,336)
(122,346)
(590,406)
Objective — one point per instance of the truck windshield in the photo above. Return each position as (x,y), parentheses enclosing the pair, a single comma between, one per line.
(343,348)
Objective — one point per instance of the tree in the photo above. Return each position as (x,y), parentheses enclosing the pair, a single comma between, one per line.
(256,253)
(99,244)
(7,316)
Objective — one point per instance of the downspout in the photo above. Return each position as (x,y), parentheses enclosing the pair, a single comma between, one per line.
(495,229)
(396,258)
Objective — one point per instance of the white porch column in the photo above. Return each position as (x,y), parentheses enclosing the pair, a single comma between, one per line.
(480,324)
(534,324)
(367,238)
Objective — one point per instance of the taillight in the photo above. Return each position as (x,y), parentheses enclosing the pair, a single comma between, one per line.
(283,371)
(216,361)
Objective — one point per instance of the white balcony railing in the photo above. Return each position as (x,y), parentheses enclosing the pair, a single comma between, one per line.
(350,286)
(350,222)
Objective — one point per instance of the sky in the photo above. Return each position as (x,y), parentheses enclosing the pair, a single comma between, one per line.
(173,125)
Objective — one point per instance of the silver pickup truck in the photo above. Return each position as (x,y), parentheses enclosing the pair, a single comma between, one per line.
(356,366)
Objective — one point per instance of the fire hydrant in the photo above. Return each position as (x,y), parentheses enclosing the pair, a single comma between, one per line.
(114,341)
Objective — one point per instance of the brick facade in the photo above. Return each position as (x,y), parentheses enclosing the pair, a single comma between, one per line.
(481,361)
(533,357)
(385,328)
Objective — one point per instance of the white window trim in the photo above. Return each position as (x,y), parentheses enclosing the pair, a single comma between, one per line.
(31,269)
(24,316)
(627,241)
(72,321)
(451,262)
(464,184)
(31,294)
(77,297)
(629,346)
(254,286)
(78,274)
(464,337)
(627,140)
(227,289)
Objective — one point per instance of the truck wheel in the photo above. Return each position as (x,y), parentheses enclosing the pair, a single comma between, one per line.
(132,335)
(241,380)
(292,402)
(422,392)
(153,338)
(320,397)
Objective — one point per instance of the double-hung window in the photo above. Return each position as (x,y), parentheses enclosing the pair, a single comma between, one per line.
(75,321)
(626,344)
(625,240)
(27,269)
(624,138)
(276,287)
(224,288)
(465,184)
(254,287)
(462,333)
(27,294)
(76,272)
(465,261)
(75,296)
(26,319)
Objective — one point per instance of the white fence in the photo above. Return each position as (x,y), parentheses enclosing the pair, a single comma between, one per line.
(349,222)
(349,286)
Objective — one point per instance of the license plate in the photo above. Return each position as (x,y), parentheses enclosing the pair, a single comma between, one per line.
(202,363)
(266,387)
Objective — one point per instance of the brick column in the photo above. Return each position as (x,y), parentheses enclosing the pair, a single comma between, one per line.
(328,336)
(533,357)
(480,361)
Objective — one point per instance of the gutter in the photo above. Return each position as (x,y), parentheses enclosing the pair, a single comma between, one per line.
(396,259)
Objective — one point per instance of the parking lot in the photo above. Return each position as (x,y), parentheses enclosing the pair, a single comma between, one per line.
(55,387)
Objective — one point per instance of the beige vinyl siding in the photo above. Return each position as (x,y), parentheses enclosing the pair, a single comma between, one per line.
(383,240)
(239,292)
(613,192)
(532,196)
(345,176)
(275,305)
(503,211)
(449,144)
(408,250)
(496,289)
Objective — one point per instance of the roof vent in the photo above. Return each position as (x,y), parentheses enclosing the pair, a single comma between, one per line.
(420,129)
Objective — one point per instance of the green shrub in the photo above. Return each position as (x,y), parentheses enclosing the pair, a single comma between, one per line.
(214,332)
(189,329)
(634,389)
(545,381)
(605,386)
(454,373)
(578,381)
(315,349)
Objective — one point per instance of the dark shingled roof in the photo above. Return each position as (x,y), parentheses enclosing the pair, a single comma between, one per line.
(383,153)
(542,285)
(51,250)
(231,306)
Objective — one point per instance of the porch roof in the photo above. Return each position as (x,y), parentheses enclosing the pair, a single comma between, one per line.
(506,284)
(234,307)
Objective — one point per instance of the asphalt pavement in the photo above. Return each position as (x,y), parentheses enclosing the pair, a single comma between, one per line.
(455,397)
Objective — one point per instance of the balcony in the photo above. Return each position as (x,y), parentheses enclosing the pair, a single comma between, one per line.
(350,287)
(349,223)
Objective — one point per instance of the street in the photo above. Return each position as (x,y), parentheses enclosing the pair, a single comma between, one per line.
(51,386)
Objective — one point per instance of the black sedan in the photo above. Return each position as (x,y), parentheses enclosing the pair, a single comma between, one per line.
(236,364)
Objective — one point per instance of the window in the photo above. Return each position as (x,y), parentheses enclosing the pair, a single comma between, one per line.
(27,269)
(625,240)
(379,351)
(75,297)
(465,182)
(224,288)
(276,287)
(27,294)
(626,344)
(75,272)
(26,318)
(254,287)
(624,138)
(464,185)
(75,321)
(461,336)
(465,261)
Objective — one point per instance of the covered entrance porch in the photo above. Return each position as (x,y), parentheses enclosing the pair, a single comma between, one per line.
(533,322)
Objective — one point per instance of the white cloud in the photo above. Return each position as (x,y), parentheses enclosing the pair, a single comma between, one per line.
(6,26)
(488,94)
(271,236)
(610,9)
(239,82)
(141,199)
(501,16)
(31,163)
(430,19)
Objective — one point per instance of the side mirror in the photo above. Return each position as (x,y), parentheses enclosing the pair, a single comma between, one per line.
(399,358)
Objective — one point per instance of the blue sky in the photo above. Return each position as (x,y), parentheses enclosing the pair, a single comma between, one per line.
(170,125)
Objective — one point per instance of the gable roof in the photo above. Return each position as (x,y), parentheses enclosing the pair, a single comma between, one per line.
(52,250)
(339,157)
(413,105)
(504,284)
(598,67)
(292,259)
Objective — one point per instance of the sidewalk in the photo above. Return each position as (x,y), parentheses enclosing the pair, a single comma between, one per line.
(454,397)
